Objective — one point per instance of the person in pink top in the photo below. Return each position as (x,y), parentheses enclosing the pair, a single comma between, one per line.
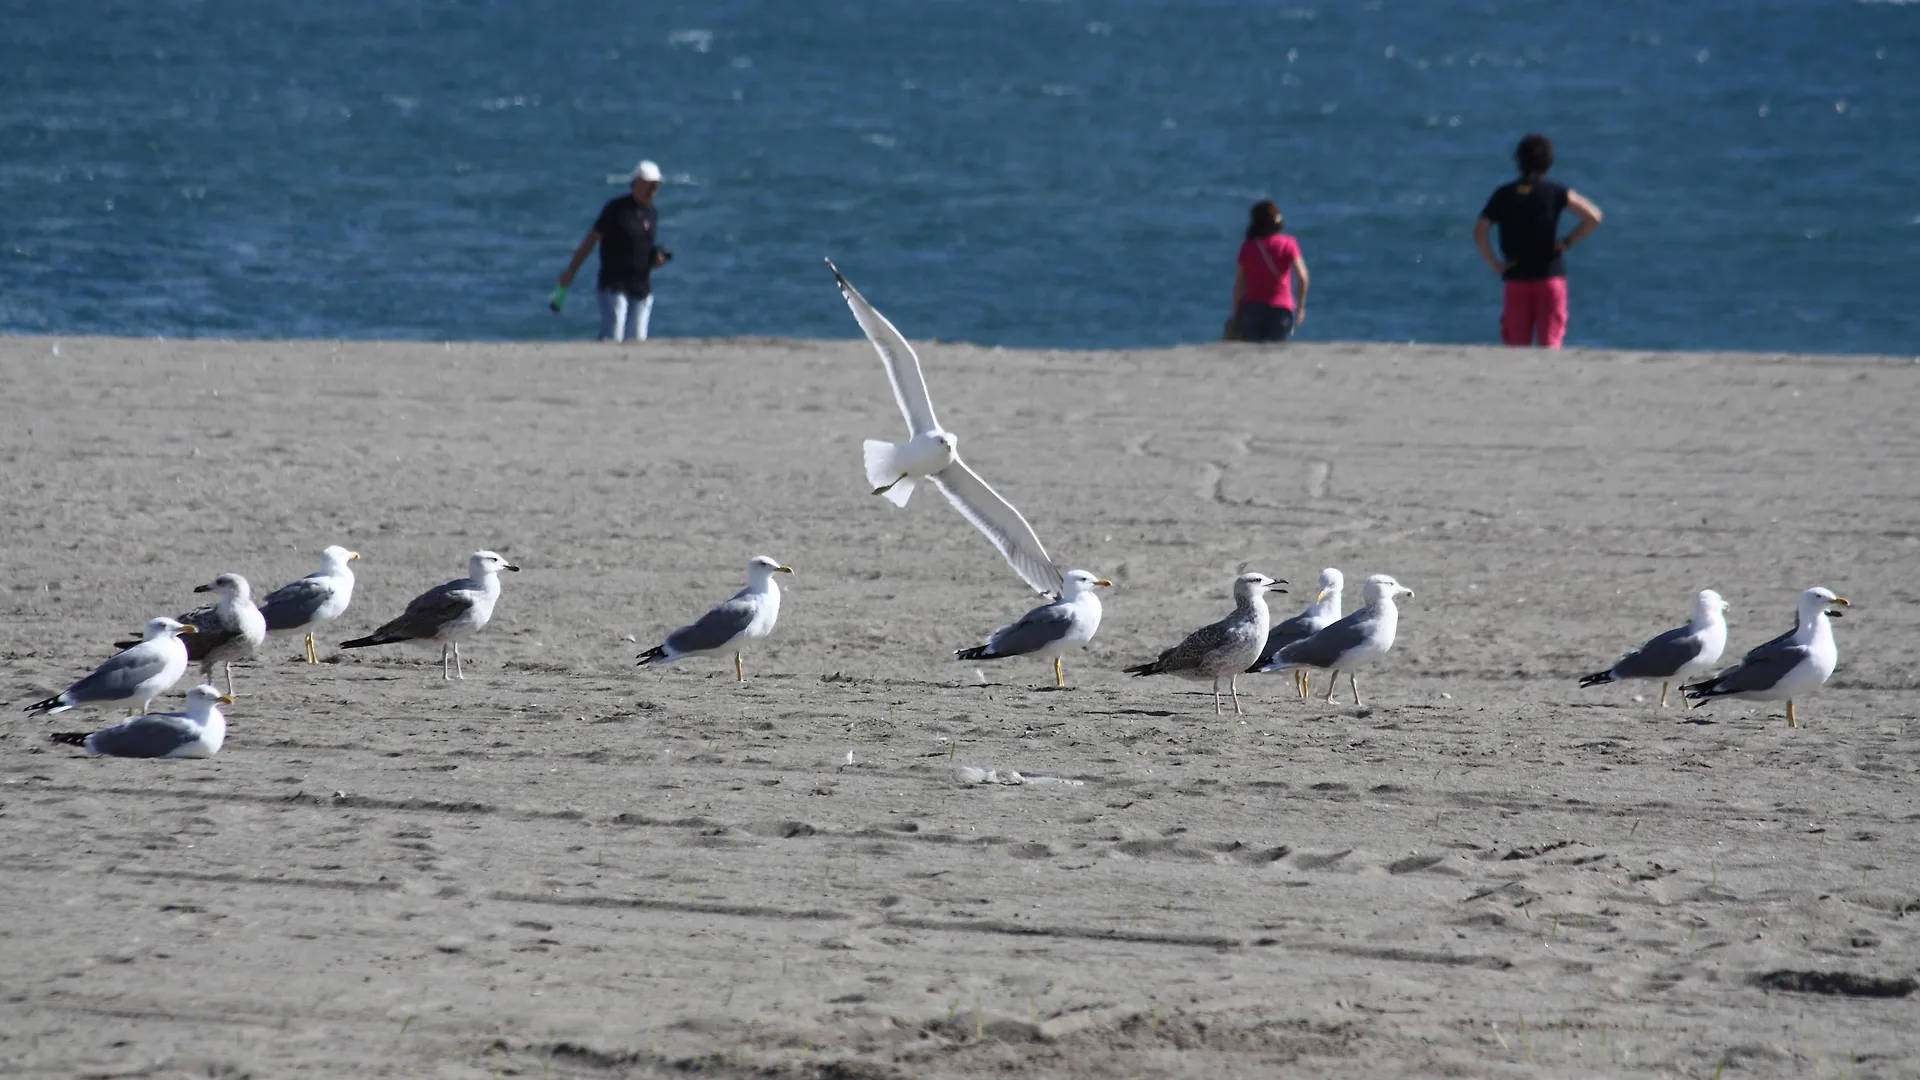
(1263,303)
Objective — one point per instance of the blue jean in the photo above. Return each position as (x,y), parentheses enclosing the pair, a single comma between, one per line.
(1258,322)
(623,317)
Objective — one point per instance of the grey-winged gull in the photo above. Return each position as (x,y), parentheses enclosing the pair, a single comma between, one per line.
(1678,654)
(304,606)
(195,733)
(749,615)
(1224,648)
(1784,671)
(143,671)
(932,453)
(445,614)
(1050,629)
(231,628)
(1360,638)
(1323,612)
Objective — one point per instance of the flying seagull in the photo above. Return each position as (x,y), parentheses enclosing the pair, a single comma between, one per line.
(446,613)
(1680,653)
(145,670)
(321,597)
(1050,629)
(1360,638)
(1323,612)
(748,616)
(195,733)
(1225,648)
(1786,670)
(931,453)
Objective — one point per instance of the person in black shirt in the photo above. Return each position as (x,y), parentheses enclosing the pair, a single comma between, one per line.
(1527,212)
(629,250)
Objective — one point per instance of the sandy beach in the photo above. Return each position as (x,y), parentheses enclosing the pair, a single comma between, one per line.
(567,866)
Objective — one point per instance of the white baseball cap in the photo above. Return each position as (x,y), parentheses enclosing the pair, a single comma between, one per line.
(647,171)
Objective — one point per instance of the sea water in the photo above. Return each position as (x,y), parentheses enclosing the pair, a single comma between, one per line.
(1064,174)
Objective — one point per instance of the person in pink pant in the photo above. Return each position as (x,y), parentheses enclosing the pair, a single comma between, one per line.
(1527,212)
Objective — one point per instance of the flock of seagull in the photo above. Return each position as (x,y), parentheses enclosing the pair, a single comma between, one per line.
(1245,641)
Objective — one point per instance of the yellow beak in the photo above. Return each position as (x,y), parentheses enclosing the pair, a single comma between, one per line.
(223,700)
(783,569)
(1103,581)
(189,630)
(352,555)
(1842,601)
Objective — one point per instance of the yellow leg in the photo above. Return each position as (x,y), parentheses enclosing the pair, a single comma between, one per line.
(1305,679)
(1059,674)
(739,669)
(1792,721)
(311,658)
(1663,693)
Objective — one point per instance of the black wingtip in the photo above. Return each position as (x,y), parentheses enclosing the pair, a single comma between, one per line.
(658,652)
(1597,678)
(977,652)
(68,738)
(1143,669)
(363,642)
(45,706)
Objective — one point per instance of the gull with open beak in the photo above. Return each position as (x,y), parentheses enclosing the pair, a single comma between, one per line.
(1785,668)
(748,616)
(1224,648)
(932,453)
(1050,629)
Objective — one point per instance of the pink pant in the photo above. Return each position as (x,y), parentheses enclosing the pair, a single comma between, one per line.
(1534,313)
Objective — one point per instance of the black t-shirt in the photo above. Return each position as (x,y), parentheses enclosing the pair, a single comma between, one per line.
(1528,215)
(626,228)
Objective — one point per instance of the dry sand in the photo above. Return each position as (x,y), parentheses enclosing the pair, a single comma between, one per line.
(566,866)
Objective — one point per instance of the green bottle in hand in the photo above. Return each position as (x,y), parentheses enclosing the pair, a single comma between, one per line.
(558,299)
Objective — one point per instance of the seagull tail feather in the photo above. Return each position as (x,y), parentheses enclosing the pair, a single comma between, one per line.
(978,652)
(68,738)
(883,470)
(54,704)
(378,637)
(1151,667)
(1598,678)
(655,655)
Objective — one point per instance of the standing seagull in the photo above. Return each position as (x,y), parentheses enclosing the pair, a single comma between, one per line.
(1224,648)
(446,613)
(1323,612)
(1782,672)
(147,669)
(1680,653)
(318,598)
(1360,638)
(1050,629)
(196,733)
(749,615)
(933,454)
(228,629)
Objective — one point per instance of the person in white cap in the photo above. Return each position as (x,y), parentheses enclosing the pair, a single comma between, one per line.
(627,232)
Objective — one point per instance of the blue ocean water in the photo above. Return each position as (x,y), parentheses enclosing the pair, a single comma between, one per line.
(1072,173)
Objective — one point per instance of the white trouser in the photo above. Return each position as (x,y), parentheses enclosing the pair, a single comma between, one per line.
(622,318)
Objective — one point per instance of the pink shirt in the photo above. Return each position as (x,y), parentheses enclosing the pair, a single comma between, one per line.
(1263,286)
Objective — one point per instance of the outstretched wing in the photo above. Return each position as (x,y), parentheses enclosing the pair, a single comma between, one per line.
(903,367)
(1003,525)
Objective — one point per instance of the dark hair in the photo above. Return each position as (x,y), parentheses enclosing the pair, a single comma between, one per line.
(1265,220)
(1534,155)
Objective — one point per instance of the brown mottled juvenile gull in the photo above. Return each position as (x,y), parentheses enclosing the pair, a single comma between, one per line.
(1225,648)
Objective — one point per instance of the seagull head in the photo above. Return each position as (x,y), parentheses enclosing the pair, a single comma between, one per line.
(1708,606)
(204,697)
(1815,602)
(336,557)
(1251,585)
(164,627)
(1080,583)
(228,585)
(760,569)
(483,563)
(1382,587)
(1331,583)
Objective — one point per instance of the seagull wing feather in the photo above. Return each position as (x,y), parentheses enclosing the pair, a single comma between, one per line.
(903,367)
(1003,525)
